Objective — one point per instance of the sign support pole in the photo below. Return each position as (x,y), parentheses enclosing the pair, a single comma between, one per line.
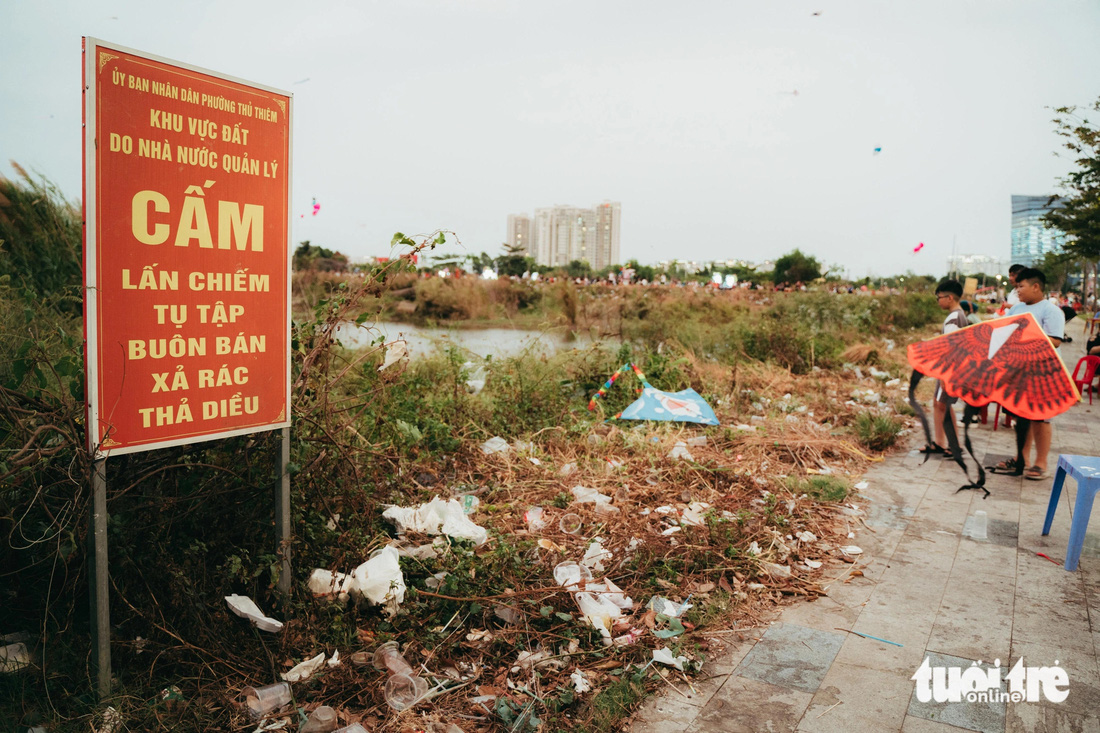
(98,581)
(282,515)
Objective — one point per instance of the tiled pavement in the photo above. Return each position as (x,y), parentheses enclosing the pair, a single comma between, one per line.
(938,593)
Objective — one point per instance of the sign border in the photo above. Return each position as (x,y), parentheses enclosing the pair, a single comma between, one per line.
(91,48)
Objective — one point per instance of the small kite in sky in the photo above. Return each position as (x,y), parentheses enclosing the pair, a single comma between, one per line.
(878,150)
(316,208)
(918,248)
(816,13)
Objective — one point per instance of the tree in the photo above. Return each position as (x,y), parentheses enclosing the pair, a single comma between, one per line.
(514,261)
(796,267)
(310,257)
(1079,216)
(578,268)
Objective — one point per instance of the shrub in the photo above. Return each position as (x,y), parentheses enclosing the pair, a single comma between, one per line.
(877,432)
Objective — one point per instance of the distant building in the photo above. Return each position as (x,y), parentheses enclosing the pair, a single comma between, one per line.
(1031,240)
(560,234)
(519,234)
(965,265)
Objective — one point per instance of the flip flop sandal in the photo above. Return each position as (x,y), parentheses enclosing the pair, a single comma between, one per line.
(932,449)
(1006,466)
(1034,473)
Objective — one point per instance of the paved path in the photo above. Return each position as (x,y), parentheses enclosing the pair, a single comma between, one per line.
(939,593)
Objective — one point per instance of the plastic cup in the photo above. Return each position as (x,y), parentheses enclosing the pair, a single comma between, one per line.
(262,700)
(361,659)
(388,656)
(403,690)
(535,518)
(981,522)
(321,720)
(570,524)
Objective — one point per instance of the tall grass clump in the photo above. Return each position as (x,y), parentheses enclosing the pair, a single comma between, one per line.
(878,432)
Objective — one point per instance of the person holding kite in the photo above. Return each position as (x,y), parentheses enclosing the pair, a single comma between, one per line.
(1030,286)
(948,294)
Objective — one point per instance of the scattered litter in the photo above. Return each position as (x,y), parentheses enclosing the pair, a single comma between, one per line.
(272,725)
(1048,558)
(806,536)
(570,524)
(757,418)
(879,374)
(754,548)
(304,670)
(495,444)
(680,451)
(571,574)
(395,352)
(580,683)
(664,656)
(535,518)
(324,583)
(664,606)
(14,657)
(862,485)
(600,612)
(245,607)
(507,614)
(436,580)
(697,441)
(111,719)
(612,465)
(334,661)
(851,550)
(333,521)
(551,545)
(584,495)
(380,580)
(743,426)
(812,564)
(534,461)
(536,660)
(321,720)
(596,555)
(476,381)
(777,571)
(262,700)
(693,515)
(567,469)
(523,446)
(437,517)
(868,636)
(628,638)
(893,382)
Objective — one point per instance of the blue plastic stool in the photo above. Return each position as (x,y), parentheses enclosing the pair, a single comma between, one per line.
(1086,471)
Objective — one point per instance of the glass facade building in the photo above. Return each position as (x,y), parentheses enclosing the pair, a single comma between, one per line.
(1031,239)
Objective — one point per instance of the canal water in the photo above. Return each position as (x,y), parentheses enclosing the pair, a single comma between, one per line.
(495,342)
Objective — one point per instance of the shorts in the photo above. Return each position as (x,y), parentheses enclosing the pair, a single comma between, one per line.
(942,397)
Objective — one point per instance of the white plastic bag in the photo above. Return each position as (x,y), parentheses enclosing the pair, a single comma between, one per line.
(380,580)
(437,517)
(245,607)
(305,669)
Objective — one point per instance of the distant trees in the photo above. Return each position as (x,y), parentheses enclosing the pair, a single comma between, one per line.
(1079,217)
(796,267)
(310,257)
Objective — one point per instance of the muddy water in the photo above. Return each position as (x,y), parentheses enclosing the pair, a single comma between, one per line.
(495,342)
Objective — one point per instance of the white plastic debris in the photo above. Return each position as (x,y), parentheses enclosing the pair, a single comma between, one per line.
(567,469)
(245,607)
(496,444)
(305,669)
(111,720)
(664,656)
(334,660)
(584,495)
(570,574)
(879,374)
(681,451)
(664,606)
(476,381)
(893,382)
(14,657)
(754,548)
(437,517)
(693,515)
(812,564)
(613,593)
(777,571)
(806,536)
(580,683)
(536,659)
(697,441)
(596,556)
(395,352)
(600,612)
(324,582)
(380,580)
(862,485)
(851,550)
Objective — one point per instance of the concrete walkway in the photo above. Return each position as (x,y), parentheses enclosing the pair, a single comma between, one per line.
(940,594)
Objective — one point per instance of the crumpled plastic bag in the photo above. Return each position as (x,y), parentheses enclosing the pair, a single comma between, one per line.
(693,515)
(664,606)
(600,612)
(324,582)
(664,656)
(496,444)
(305,669)
(680,450)
(380,580)
(584,495)
(395,352)
(596,555)
(437,517)
(245,607)
(580,682)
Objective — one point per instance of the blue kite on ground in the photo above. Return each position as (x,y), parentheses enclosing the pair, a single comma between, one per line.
(653,404)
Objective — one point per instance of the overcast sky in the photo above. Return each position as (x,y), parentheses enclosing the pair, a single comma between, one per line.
(418,115)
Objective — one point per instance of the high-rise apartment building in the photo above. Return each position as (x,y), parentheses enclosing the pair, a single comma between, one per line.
(1031,239)
(519,234)
(561,234)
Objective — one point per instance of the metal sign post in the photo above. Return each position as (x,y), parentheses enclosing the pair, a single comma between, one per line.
(98,580)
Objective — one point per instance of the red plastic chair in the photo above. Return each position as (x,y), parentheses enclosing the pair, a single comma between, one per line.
(1083,382)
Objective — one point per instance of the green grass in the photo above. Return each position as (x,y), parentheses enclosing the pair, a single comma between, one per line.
(878,432)
(821,488)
